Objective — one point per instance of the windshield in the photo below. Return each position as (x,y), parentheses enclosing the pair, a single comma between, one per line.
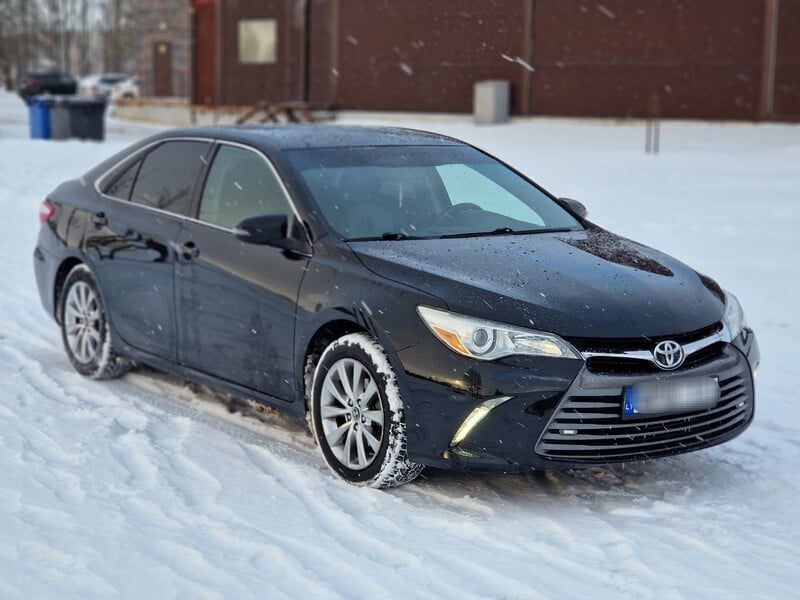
(398,192)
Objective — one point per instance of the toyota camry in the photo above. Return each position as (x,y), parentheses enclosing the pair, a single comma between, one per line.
(420,302)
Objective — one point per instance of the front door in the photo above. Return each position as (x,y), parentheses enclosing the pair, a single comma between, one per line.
(162,69)
(236,300)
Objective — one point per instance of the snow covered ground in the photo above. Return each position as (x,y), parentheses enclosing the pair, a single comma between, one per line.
(145,487)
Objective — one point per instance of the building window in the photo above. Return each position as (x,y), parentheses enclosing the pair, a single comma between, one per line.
(258,41)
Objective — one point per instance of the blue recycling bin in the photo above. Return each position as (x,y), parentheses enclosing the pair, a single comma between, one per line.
(39,118)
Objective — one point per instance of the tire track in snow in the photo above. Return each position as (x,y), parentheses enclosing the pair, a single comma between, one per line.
(328,520)
(137,448)
(58,571)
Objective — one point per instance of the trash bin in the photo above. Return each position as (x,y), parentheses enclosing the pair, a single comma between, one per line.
(86,117)
(39,118)
(60,128)
(491,100)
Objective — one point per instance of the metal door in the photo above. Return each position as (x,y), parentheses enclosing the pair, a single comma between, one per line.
(162,69)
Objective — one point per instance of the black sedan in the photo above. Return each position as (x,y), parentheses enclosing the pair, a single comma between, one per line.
(420,301)
(46,82)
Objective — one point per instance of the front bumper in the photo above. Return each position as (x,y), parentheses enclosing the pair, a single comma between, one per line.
(560,421)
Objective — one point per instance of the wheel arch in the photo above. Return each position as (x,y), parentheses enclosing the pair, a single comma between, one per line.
(63,270)
(322,337)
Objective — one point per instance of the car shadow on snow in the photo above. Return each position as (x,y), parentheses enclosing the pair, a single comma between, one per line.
(703,476)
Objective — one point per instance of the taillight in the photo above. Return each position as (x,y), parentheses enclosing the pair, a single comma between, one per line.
(46,210)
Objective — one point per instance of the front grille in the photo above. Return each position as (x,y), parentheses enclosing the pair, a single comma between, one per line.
(616,365)
(590,429)
(703,355)
(608,365)
(639,343)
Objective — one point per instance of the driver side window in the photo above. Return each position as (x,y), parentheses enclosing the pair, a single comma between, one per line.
(241,184)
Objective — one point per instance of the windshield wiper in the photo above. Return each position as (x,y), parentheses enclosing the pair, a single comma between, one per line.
(388,236)
(498,231)
(507,231)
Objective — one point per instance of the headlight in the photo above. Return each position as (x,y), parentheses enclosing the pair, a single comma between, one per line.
(733,319)
(487,340)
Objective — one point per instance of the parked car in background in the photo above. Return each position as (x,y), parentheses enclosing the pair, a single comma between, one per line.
(421,301)
(100,84)
(46,82)
(127,89)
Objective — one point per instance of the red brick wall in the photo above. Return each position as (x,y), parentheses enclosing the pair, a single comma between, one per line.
(423,55)
(204,74)
(608,57)
(243,84)
(702,58)
(787,72)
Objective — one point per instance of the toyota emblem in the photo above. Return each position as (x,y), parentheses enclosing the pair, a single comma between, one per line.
(668,355)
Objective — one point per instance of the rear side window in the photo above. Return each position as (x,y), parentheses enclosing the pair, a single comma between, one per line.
(168,175)
(122,185)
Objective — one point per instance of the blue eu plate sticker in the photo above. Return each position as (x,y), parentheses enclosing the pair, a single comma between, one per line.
(679,395)
(631,401)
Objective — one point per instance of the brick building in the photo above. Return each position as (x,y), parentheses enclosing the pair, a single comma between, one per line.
(702,59)
(165,39)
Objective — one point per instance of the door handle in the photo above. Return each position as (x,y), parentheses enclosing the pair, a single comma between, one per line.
(100,219)
(186,251)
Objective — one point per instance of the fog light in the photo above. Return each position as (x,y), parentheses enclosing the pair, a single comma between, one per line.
(568,431)
(477,415)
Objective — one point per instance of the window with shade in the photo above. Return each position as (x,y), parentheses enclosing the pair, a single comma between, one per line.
(258,41)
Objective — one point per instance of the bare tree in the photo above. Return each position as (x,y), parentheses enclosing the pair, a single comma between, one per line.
(71,35)
(119,39)
(83,38)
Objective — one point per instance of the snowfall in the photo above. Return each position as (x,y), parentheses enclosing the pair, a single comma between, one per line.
(148,487)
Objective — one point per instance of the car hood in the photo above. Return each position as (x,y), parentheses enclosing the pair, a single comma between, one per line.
(582,284)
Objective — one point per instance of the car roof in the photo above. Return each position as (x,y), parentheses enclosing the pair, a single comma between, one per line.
(274,138)
(277,137)
(46,74)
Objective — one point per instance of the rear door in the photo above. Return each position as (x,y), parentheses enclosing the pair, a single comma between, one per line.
(236,300)
(131,242)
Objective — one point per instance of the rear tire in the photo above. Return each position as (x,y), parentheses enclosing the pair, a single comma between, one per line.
(357,414)
(84,328)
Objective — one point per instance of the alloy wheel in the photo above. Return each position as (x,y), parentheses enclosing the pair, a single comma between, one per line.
(352,415)
(82,322)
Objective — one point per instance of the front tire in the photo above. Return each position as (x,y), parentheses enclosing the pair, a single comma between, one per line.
(357,414)
(84,328)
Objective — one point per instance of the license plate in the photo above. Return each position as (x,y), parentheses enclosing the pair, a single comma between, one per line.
(670,397)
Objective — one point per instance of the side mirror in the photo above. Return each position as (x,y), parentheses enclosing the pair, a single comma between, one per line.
(262,229)
(577,207)
(269,230)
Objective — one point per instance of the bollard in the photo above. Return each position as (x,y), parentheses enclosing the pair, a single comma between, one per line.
(652,135)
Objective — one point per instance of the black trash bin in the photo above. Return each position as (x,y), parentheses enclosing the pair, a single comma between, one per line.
(86,117)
